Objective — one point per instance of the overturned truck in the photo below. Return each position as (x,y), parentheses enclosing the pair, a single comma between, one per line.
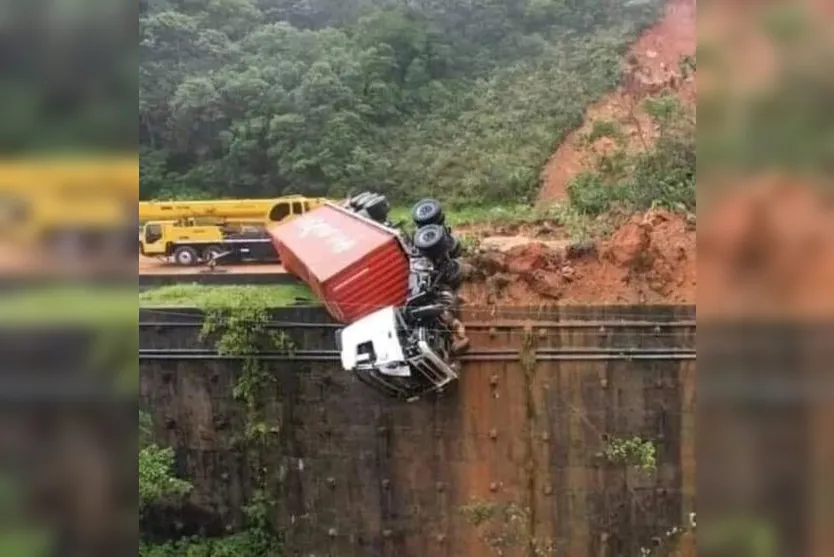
(396,293)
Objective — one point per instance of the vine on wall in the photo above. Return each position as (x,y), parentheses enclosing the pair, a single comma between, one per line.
(240,329)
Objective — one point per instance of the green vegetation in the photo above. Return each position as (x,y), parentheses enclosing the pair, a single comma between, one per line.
(226,297)
(69,305)
(462,99)
(158,483)
(663,176)
(237,320)
(632,452)
(505,529)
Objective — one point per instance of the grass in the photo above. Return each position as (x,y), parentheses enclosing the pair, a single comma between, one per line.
(578,225)
(69,305)
(232,296)
(497,214)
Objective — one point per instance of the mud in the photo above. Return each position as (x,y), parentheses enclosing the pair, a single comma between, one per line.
(650,259)
(652,67)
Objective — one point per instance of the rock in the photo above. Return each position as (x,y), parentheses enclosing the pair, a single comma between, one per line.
(487,263)
(547,284)
(629,246)
(499,281)
(581,249)
(523,260)
(545,229)
(468,270)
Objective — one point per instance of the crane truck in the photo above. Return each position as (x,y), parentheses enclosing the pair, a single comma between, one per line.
(395,293)
(190,232)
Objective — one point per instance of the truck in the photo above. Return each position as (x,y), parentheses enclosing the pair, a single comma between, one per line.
(395,293)
(229,230)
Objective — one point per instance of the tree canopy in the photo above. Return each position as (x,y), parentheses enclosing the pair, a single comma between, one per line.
(463,99)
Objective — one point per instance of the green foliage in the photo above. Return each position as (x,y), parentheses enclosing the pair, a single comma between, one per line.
(157,481)
(605,128)
(662,176)
(663,109)
(687,65)
(506,528)
(632,452)
(241,327)
(237,319)
(225,297)
(588,193)
(462,99)
(257,539)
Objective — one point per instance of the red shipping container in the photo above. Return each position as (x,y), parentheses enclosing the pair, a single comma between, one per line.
(353,265)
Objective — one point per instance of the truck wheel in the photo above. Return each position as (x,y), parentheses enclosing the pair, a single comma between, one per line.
(185,256)
(360,199)
(453,274)
(212,252)
(455,247)
(377,207)
(428,211)
(431,240)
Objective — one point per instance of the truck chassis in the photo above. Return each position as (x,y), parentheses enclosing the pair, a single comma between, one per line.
(410,352)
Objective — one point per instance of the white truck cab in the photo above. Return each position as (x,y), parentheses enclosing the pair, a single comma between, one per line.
(373,348)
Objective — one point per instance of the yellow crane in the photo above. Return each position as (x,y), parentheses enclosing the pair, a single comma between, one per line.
(189,232)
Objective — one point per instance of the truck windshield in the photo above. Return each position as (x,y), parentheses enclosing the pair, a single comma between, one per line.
(153,232)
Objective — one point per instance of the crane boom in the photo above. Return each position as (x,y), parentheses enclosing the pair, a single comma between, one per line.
(234,209)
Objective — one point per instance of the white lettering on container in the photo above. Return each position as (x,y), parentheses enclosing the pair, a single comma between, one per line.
(334,238)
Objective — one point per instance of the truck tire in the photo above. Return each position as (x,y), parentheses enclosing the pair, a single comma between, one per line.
(428,211)
(431,241)
(453,274)
(378,208)
(212,252)
(185,256)
(359,200)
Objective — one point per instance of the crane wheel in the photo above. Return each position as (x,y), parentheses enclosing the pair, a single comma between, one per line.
(185,256)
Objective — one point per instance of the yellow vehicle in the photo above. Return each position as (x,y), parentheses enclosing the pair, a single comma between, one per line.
(190,232)
(84,205)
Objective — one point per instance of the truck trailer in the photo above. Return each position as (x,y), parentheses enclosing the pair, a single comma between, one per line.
(396,294)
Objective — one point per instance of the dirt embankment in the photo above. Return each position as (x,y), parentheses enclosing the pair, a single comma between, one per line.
(650,259)
(654,66)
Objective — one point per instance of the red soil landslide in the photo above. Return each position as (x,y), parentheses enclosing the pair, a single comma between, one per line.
(653,66)
(650,259)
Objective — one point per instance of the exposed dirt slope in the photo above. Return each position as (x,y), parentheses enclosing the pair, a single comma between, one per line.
(650,259)
(652,67)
